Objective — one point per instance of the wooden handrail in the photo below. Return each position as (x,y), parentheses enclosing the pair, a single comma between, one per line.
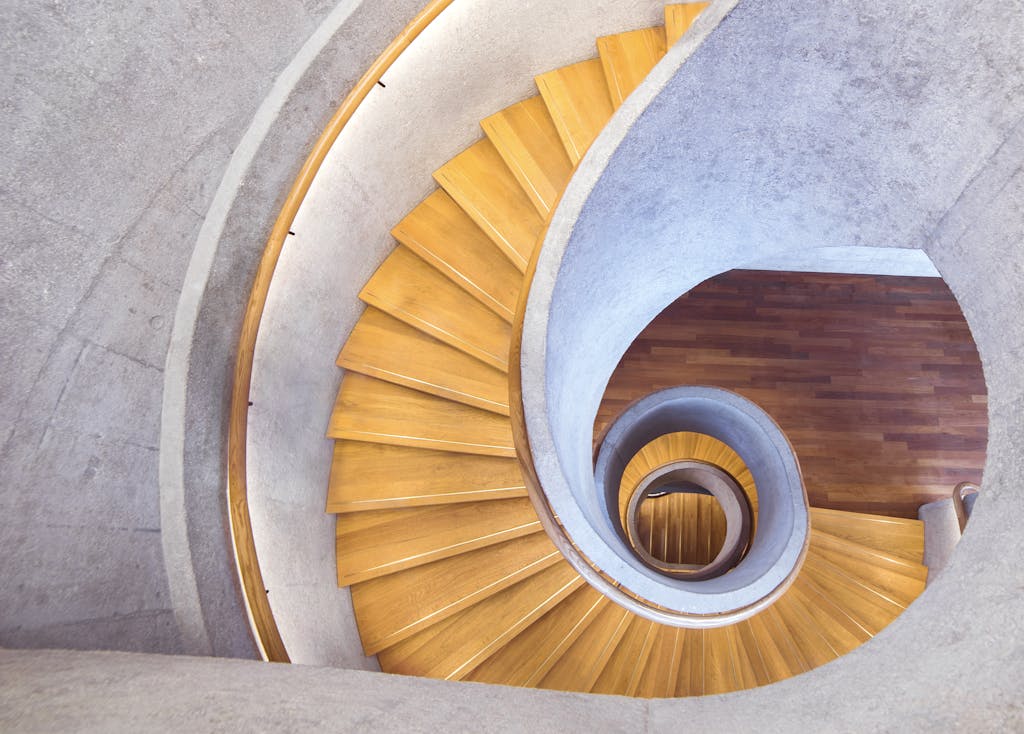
(265,630)
(960,492)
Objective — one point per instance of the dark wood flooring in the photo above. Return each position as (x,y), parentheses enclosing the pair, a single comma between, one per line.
(875,379)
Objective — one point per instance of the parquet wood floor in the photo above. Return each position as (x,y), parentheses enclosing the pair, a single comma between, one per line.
(875,379)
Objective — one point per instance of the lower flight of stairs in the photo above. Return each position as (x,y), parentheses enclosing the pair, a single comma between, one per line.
(450,571)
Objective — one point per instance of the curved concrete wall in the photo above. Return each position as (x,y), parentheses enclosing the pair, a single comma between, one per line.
(797,126)
(377,171)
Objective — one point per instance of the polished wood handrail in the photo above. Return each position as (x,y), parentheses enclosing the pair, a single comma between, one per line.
(265,630)
(960,492)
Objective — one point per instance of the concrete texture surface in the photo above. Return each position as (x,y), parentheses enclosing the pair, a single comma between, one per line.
(378,170)
(792,127)
(121,692)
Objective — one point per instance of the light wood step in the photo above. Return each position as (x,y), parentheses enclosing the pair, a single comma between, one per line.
(627,58)
(690,678)
(443,235)
(621,674)
(391,608)
(412,291)
(813,647)
(527,659)
(580,665)
(678,19)
(481,183)
(779,659)
(381,346)
(372,410)
(901,580)
(527,140)
(872,612)
(756,672)
(452,648)
(895,536)
(372,476)
(719,666)
(372,544)
(577,100)
(746,661)
(841,631)
(658,678)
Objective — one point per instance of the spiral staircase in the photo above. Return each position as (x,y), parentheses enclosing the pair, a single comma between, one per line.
(452,575)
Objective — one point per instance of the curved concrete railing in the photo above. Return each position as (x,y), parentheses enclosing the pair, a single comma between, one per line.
(589,511)
(921,150)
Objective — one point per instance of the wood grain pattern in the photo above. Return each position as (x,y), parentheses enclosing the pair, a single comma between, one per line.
(895,536)
(410,290)
(394,607)
(621,674)
(577,99)
(481,183)
(874,379)
(441,233)
(373,476)
(372,544)
(372,410)
(678,19)
(627,59)
(381,346)
(265,631)
(580,665)
(526,138)
(454,647)
(659,676)
(528,658)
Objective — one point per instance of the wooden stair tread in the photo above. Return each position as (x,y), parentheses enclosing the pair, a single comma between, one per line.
(372,410)
(580,665)
(373,476)
(372,544)
(454,647)
(627,58)
(813,647)
(444,236)
(381,346)
(480,182)
(621,674)
(393,607)
(678,19)
(872,611)
(841,632)
(527,140)
(577,100)
(658,677)
(409,289)
(755,672)
(690,675)
(719,665)
(895,536)
(779,659)
(526,659)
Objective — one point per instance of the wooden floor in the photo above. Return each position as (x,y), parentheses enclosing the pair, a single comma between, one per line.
(875,379)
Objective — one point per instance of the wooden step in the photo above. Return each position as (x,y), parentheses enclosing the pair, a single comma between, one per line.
(372,410)
(372,544)
(841,631)
(410,290)
(658,678)
(381,346)
(777,654)
(373,476)
(813,647)
(756,672)
(872,611)
(454,647)
(580,665)
(443,235)
(895,536)
(719,666)
(391,608)
(577,100)
(901,580)
(527,659)
(678,19)
(621,674)
(480,182)
(527,140)
(627,59)
(690,678)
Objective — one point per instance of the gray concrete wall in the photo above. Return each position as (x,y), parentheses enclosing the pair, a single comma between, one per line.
(120,121)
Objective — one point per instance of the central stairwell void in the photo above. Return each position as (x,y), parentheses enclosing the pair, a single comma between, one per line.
(701,568)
